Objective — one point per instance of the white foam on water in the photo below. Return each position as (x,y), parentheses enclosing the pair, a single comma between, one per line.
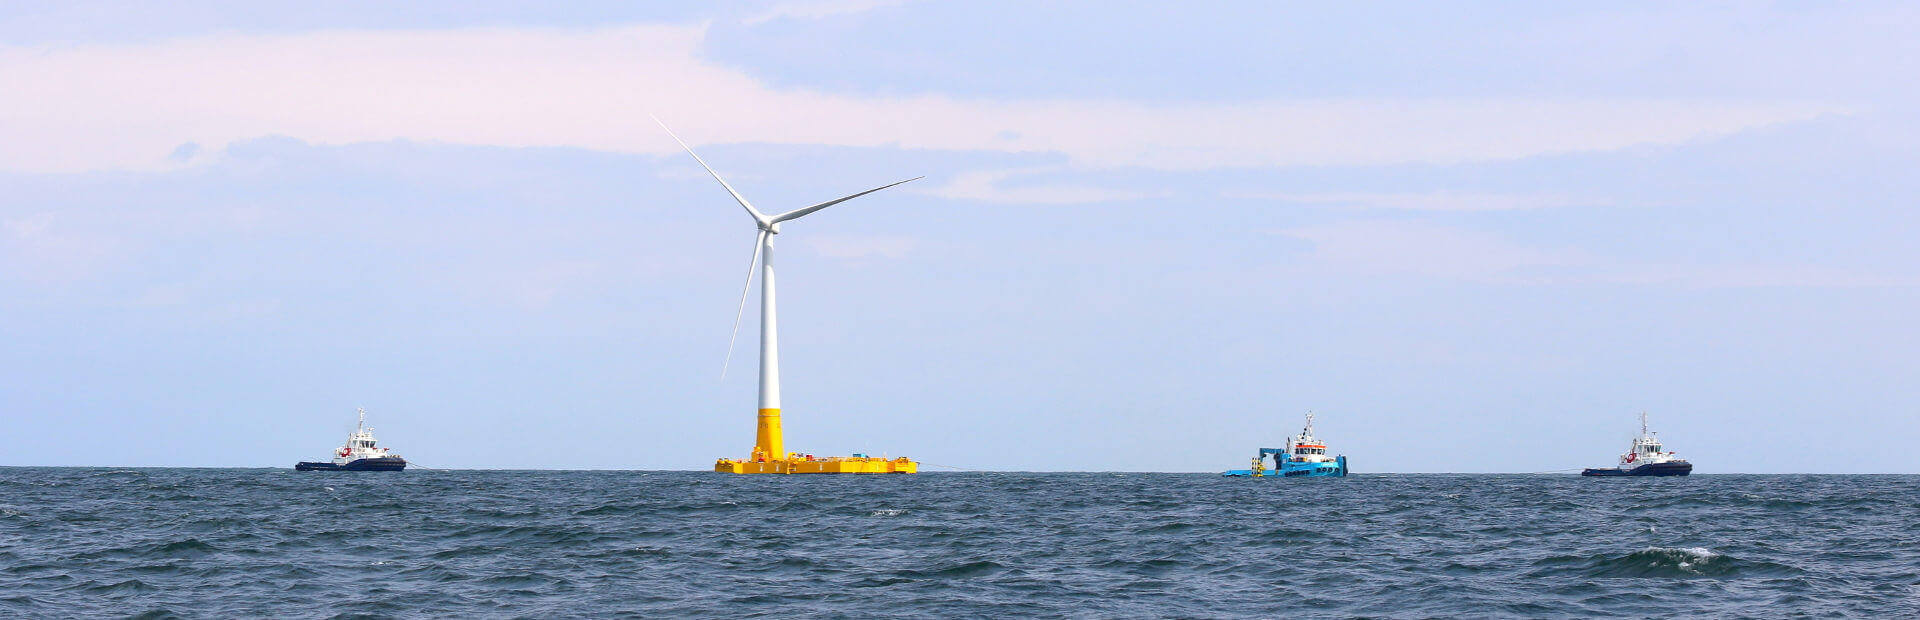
(889,512)
(1698,553)
(1689,555)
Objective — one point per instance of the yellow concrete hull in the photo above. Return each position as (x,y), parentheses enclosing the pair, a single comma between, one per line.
(832,465)
(769,440)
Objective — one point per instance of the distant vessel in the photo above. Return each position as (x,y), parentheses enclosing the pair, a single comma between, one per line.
(1305,455)
(1645,458)
(359,454)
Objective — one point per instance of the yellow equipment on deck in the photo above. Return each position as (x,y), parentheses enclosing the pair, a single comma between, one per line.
(768,441)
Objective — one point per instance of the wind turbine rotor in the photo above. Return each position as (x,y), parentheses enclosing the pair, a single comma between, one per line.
(767,225)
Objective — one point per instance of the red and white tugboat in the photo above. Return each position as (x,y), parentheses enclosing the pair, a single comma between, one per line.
(1645,459)
(360,453)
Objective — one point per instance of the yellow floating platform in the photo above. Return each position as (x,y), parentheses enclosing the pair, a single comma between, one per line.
(828,465)
(769,439)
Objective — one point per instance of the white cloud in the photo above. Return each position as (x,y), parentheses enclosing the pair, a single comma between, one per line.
(988,186)
(169,294)
(536,286)
(860,246)
(130,106)
(816,9)
(43,248)
(28,228)
(1752,276)
(1385,247)
(1418,201)
(1394,247)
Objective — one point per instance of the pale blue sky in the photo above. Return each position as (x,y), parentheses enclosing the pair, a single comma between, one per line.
(1473,238)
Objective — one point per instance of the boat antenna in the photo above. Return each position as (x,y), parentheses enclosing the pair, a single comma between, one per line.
(363,419)
(1643,423)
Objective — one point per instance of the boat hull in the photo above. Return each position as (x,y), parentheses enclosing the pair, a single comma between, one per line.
(1336,469)
(830,465)
(1650,469)
(373,464)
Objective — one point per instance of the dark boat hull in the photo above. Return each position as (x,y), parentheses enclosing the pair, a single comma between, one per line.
(1650,469)
(379,464)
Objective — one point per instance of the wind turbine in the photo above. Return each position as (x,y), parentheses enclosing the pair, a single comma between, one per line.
(769,454)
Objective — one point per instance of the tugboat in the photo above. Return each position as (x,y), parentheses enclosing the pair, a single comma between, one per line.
(1645,459)
(1304,455)
(359,454)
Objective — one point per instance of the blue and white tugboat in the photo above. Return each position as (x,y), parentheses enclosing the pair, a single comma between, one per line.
(360,453)
(1305,455)
(1646,458)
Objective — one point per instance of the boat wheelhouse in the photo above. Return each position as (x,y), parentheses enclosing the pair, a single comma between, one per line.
(361,453)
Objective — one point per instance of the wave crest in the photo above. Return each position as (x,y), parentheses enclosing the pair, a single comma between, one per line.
(1665,562)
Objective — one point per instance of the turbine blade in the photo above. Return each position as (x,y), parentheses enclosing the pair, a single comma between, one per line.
(758,241)
(799,213)
(757,216)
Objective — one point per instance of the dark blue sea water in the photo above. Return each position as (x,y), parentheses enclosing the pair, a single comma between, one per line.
(275,543)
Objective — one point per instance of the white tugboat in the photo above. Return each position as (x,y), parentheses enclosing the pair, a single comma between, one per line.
(1645,458)
(361,453)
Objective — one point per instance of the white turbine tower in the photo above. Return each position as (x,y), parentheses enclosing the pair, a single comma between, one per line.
(769,449)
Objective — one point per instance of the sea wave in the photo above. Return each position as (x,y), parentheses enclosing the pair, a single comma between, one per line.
(1661,562)
(265,543)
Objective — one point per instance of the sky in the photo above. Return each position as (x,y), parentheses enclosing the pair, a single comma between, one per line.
(1478,237)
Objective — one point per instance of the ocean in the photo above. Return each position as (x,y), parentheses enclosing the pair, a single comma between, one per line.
(158,543)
